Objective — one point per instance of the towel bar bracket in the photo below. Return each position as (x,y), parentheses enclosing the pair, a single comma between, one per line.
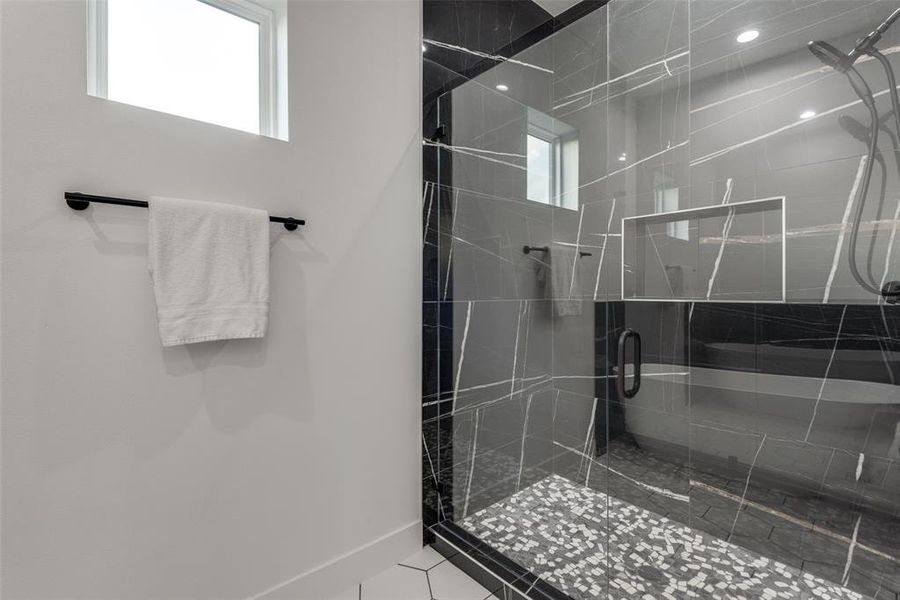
(77,204)
(79,201)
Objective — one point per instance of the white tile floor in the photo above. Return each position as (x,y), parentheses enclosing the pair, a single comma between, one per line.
(426,575)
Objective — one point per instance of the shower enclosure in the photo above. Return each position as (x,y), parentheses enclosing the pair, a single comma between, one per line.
(649,369)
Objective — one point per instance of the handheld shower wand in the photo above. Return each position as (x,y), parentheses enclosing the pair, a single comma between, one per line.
(843,63)
(830,55)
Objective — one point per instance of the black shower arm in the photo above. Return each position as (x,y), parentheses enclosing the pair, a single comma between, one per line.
(866,44)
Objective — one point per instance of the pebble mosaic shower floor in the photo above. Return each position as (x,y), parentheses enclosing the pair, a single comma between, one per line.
(587,543)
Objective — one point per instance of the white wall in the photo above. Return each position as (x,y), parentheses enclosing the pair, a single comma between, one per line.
(216,470)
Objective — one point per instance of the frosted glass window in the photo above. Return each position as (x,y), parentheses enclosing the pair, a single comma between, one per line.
(218,61)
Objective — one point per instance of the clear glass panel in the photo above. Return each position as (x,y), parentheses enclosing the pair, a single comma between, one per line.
(186,58)
(759,455)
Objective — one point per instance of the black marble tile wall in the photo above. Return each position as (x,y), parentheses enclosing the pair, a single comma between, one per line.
(460,34)
(746,102)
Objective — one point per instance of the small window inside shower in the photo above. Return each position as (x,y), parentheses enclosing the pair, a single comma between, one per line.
(551,162)
(666,200)
(540,169)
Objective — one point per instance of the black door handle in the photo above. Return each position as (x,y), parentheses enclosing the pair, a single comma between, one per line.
(620,376)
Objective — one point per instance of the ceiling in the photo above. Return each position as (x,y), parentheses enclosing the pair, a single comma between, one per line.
(555,7)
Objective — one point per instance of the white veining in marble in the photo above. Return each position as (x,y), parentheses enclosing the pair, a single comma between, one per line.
(576,96)
(746,486)
(481,54)
(848,209)
(480,154)
(641,484)
(524,437)
(850,550)
(612,212)
(450,251)
(889,251)
(726,229)
(474,455)
(789,126)
(462,353)
(837,340)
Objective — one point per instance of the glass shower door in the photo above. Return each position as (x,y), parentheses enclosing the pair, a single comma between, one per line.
(656,375)
(513,412)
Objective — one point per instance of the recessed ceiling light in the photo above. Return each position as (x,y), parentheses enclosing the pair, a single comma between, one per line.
(747,36)
(807,114)
(502,87)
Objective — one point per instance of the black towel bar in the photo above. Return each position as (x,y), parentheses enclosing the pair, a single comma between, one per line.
(530,249)
(79,201)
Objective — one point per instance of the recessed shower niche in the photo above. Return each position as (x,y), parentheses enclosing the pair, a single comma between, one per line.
(725,253)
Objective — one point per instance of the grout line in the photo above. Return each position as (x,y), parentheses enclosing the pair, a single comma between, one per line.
(795,521)
(413,568)
(428,581)
(442,561)
(490,572)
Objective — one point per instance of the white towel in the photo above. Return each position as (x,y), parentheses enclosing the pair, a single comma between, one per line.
(210,268)
(565,287)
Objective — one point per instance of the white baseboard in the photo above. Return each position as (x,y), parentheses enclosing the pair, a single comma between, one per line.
(338,574)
